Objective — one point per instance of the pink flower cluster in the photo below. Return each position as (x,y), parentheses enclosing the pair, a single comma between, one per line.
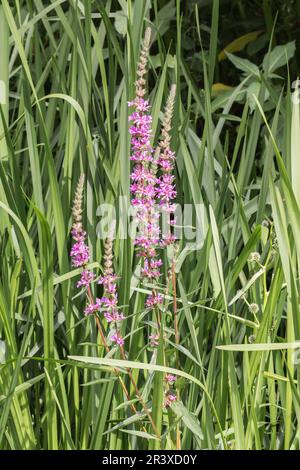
(80,251)
(147,189)
(108,303)
(86,278)
(93,307)
(80,256)
(170,378)
(117,338)
(170,395)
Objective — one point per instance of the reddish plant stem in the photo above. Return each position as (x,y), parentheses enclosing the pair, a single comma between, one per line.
(117,373)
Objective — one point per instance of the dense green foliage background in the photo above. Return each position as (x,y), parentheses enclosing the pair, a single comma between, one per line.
(69,69)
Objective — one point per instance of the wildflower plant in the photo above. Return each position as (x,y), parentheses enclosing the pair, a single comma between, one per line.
(153,192)
(153,189)
(153,182)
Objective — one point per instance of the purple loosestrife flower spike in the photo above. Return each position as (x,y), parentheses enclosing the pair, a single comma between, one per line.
(154,299)
(143,176)
(80,254)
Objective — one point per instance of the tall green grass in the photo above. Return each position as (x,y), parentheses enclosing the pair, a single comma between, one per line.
(70,70)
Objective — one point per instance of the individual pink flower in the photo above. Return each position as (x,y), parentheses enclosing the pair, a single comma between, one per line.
(80,254)
(154,299)
(117,338)
(93,308)
(140,173)
(170,378)
(140,104)
(144,181)
(154,340)
(114,316)
(170,398)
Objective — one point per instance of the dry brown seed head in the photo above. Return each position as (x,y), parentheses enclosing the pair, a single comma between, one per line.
(142,65)
(77,204)
(108,256)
